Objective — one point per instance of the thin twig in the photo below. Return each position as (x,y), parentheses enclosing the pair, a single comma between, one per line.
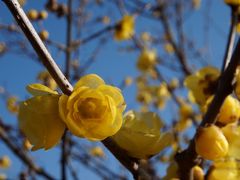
(67,74)
(23,156)
(38,45)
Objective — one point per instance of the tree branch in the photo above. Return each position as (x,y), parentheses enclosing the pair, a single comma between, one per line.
(38,45)
(23,156)
(188,158)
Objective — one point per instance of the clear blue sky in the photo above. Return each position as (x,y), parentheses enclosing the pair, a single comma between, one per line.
(16,71)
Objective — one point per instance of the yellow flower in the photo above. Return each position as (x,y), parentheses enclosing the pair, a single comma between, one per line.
(202,84)
(232,133)
(125,28)
(229,111)
(97,151)
(39,117)
(232,2)
(12,104)
(5,162)
(140,135)
(210,143)
(224,169)
(93,110)
(169,48)
(198,173)
(147,60)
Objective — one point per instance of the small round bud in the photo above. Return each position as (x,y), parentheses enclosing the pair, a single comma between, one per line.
(44,35)
(32,14)
(43,15)
(198,173)
(210,143)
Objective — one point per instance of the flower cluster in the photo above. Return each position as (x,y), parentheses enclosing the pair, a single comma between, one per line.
(93,111)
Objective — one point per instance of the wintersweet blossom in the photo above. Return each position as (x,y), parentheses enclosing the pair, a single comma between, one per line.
(39,118)
(93,110)
(202,84)
(140,135)
(125,28)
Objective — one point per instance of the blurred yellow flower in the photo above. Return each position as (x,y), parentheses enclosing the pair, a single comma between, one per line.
(196,4)
(202,84)
(232,133)
(27,145)
(39,117)
(140,135)
(3,176)
(97,151)
(224,169)
(5,162)
(147,60)
(45,78)
(232,2)
(12,104)
(93,110)
(125,28)
(169,48)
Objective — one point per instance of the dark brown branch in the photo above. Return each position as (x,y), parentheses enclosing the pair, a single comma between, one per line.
(180,55)
(188,158)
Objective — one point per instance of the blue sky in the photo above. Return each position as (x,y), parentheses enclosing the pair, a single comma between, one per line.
(16,71)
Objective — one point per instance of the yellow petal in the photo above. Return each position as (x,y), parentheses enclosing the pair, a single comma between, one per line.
(90,80)
(40,122)
(39,90)
(113,92)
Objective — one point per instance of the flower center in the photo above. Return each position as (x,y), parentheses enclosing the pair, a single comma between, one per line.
(91,108)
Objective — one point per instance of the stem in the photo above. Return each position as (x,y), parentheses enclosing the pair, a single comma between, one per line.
(38,45)
(231,38)
(67,74)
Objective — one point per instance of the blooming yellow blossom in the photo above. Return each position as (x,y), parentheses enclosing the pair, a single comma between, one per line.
(229,111)
(140,135)
(5,162)
(147,60)
(210,143)
(93,110)
(224,169)
(97,151)
(202,84)
(39,117)
(125,28)
(232,133)
(232,2)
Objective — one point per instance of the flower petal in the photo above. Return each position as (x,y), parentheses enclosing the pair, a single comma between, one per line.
(40,122)
(39,90)
(90,80)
